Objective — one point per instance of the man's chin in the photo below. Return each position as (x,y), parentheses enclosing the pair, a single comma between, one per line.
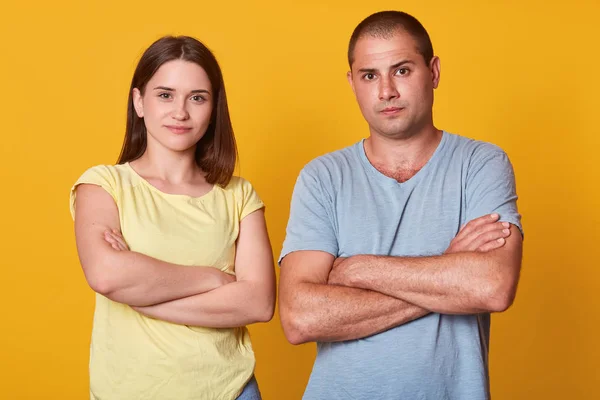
(394,132)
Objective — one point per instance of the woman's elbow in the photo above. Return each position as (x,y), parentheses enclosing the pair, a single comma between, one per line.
(98,278)
(266,309)
(265,316)
(99,284)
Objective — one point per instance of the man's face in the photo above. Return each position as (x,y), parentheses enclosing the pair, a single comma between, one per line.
(393,84)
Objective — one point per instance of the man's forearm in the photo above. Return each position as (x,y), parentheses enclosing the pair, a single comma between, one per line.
(138,280)
(232,305)
(459,283)
(329,313)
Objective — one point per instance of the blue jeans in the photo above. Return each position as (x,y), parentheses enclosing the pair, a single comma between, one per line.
(250,391)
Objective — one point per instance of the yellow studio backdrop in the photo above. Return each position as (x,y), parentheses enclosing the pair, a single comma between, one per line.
(519,74)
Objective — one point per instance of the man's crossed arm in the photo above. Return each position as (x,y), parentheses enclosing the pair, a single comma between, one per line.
(327,299)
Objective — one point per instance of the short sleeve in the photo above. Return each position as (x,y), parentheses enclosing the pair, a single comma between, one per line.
(250,201)
(491,188)
(310,225)
(99,175)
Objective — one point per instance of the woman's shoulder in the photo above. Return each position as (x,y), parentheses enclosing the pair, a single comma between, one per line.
(238,185)
(110,177)
(111,173)
(244,194)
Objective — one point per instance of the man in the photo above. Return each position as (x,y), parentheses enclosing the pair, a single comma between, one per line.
(399,247)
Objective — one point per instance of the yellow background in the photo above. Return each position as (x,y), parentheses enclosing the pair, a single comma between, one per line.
(520,74)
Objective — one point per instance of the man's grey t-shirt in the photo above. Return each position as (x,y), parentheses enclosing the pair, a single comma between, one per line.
(344,206)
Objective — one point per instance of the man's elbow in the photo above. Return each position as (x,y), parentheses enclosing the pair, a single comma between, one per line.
(295,326)
(500,303)
(290,322)
(294,333)
(501,296)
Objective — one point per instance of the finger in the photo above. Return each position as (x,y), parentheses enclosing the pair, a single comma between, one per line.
(467,229)
(493,245)
(487,237)
(114,242)
(118,235)
(122,246)
(478,222)
(474,241)
(470,235)
(484,229)
(109,238)
(119,239)
(122,243)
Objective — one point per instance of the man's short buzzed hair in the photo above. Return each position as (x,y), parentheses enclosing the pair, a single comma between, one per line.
(385,24)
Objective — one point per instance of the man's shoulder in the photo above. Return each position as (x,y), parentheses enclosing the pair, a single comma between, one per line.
(470,149)
(333,163)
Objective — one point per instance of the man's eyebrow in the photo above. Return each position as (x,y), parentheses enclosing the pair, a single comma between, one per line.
(398,64)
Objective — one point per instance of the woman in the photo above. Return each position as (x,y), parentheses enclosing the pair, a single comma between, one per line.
(175,246)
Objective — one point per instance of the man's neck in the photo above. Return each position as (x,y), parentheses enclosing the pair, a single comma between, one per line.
(402,158)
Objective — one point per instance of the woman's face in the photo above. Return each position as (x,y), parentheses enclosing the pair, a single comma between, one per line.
(176,105)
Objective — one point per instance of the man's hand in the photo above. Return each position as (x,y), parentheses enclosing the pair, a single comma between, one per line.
(481,235)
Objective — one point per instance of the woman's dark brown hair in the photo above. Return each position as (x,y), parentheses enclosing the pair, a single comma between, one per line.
(216,152)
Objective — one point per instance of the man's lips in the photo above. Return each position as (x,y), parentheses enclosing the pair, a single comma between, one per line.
(391,110)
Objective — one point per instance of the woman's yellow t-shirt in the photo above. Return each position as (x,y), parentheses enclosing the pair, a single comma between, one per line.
(136,357)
